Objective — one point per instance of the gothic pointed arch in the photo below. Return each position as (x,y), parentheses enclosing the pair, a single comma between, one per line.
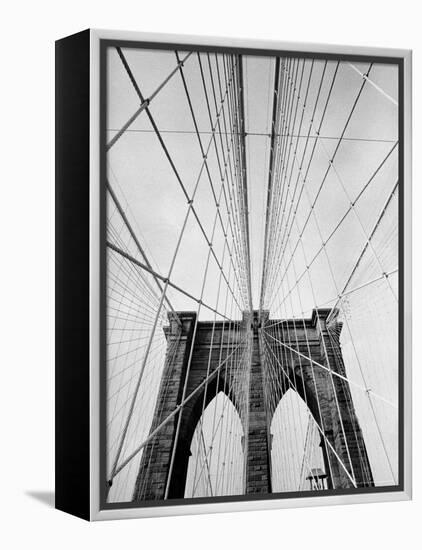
(217,450)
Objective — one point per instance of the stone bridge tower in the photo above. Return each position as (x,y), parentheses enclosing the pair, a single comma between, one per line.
(328,397)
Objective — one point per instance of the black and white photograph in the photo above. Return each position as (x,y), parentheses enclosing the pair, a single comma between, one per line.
(252,274)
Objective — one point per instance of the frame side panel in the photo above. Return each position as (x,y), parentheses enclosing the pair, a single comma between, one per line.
(72,432)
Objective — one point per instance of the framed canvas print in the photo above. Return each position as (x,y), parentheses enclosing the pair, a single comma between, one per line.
(233,274)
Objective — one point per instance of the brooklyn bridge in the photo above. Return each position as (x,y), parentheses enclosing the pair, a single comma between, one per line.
(252,274)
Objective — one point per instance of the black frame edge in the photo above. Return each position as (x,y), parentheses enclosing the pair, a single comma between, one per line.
(72,446)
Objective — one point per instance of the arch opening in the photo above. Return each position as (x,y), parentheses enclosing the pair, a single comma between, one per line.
(297,461)
(217,462)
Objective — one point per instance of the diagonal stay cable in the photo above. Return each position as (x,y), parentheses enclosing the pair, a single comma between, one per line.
(335,299)
(331,371)
(126,461)
(135,238)
(338,225)
(372,83)
(366,245)
(162,278)
(144,104)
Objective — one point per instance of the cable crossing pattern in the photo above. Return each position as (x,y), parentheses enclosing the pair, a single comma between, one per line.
(206,394)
